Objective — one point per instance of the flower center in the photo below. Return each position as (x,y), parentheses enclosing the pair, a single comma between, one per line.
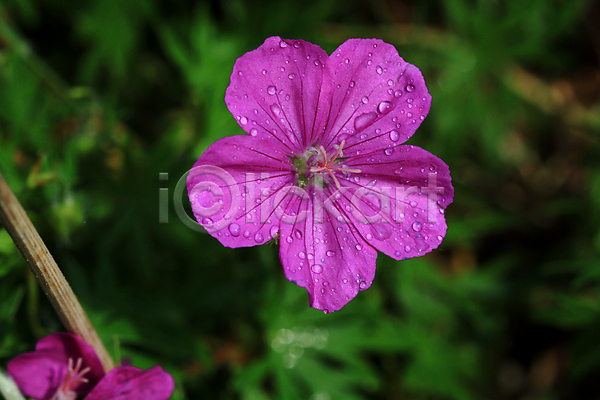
(316,164)
(74,378)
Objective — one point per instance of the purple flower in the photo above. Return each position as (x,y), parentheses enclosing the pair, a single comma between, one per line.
(63,367)
(323,169)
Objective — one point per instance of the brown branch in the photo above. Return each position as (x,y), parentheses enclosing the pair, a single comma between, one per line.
(49,276)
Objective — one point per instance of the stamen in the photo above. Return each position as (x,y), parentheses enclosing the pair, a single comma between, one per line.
(328,164)
(337,183)
(324,154)
(338,153)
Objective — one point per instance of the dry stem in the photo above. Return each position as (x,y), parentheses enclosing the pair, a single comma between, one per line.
(49,276)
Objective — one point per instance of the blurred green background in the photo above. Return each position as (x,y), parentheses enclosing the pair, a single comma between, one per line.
(98,97)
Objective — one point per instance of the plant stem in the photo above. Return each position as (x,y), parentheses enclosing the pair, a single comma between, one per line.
(49,276)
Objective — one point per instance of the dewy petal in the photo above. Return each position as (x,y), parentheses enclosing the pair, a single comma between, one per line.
(379,100)
(275,90)
(235,186)
(131,383)
(321,252)
(40,373)
(398,203)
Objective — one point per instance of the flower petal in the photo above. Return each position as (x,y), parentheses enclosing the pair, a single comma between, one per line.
(234,187)
(378,98)
(131,383)
(399,201)
(325,255)
(275,90)
(38,374)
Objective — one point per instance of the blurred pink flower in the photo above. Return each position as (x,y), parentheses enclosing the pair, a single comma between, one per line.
(323,168)
(64,367)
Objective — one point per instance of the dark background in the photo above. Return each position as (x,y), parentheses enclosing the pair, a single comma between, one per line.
(97,97)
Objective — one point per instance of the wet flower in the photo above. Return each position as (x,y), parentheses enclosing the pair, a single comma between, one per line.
(64,367)
(323,169)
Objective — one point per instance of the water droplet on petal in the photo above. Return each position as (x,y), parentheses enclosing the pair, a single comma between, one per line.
(302,255)
(243,120)
(362,285)
(384,106)
(389,151)
(342,137)
(317,268)
(394,136)
(247,234)
(358,247)
(363,120)
(379,70)
(234,229)
(351,84)
(410,88)
(291,76)
(298,234)
(381,231)
(364,100)
(258,238)
(289,239)
(390,82)
(417,226)
(271,90)
(274,231)
(330,253)
(407,248)
(283,44)
(253,132)
(397,93)
(276,109)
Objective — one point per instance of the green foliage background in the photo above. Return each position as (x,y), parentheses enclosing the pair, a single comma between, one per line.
(97,97)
